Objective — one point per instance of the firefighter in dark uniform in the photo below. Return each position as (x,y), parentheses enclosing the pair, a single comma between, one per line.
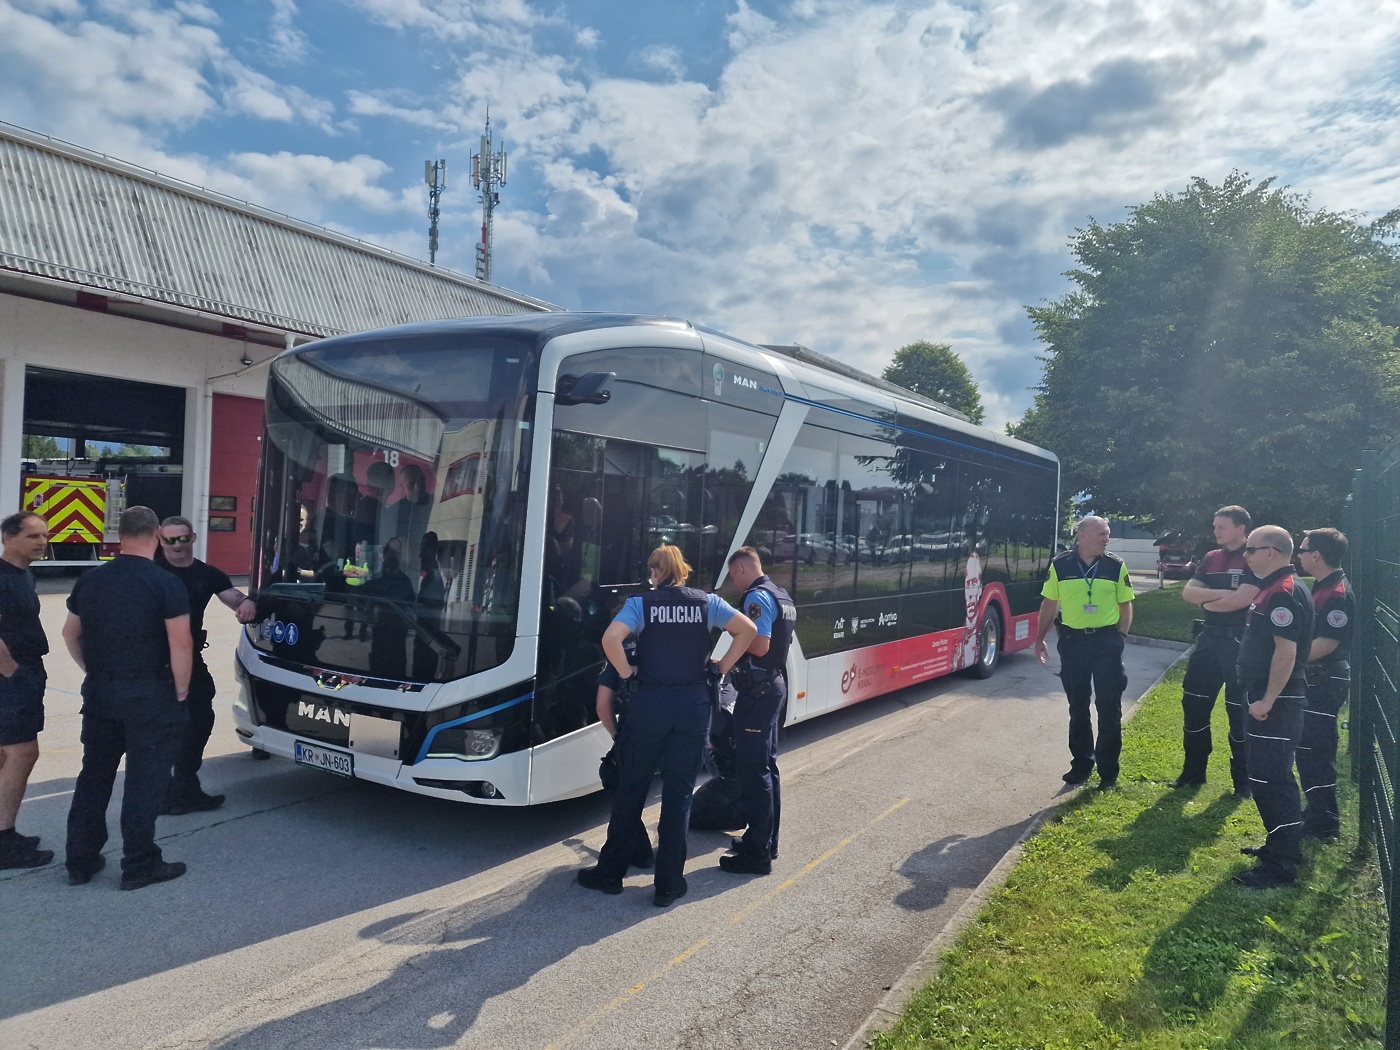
(1223,587)
(1091,591)
(128,628)
(1328,677)
(611,702)
(760,678)
(1273,655)
(669,717)
(201,581)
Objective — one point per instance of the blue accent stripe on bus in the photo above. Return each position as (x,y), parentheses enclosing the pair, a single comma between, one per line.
(921,433)
(423,752)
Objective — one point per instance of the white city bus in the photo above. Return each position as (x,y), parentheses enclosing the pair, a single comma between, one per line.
(451,513)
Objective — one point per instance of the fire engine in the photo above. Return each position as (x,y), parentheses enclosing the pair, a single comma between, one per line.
(82,513)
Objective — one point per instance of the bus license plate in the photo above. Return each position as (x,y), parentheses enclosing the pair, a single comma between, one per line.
(341,763)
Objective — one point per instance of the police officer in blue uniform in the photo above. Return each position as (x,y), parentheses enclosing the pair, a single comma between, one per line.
(1223,587)
(1328,678)
(760,680)
(1273,655)
(612,711)
(667,719)
(128,628)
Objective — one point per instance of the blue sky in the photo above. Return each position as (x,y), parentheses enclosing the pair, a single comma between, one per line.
(848,175)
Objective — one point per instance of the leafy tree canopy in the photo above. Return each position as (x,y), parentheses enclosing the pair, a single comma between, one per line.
(40,447)
(1222,345)
(933,370)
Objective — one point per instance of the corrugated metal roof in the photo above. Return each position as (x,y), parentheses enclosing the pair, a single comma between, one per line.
(75,216)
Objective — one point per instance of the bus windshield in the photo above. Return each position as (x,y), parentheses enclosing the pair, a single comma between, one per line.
(391,514)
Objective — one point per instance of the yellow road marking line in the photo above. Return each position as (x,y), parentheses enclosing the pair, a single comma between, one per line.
(637,989)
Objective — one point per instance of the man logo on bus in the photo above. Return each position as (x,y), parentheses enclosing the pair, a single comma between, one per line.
(719,379)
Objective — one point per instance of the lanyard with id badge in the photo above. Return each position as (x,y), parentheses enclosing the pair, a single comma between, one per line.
(1091,573)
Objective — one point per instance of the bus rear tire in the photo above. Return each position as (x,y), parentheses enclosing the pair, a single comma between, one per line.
(989,638)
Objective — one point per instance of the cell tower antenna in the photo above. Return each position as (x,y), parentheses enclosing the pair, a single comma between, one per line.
(488,172)
(435,175)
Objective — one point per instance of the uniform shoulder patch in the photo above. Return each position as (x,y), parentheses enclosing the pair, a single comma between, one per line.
(1281,617)
(754,610)
(1337,618)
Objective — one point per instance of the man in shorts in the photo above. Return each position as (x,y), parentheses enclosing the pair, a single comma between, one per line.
(22,647)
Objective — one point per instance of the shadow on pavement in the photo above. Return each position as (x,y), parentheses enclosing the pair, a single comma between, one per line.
(954,861)
(469,955)
(319,849)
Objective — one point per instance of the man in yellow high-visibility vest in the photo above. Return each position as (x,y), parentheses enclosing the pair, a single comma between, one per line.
(1090,590)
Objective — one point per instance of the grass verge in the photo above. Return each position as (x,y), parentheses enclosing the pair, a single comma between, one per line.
(1162,614)
(1120,927)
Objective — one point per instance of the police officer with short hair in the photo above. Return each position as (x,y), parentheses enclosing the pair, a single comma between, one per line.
(667,719)
(128,628)
(1090,589)
(612,714)
(760,681)
(1328,678)
(201,581)
(1273,655)
(1223,587)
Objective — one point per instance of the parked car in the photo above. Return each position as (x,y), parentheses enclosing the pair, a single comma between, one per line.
(1175,561)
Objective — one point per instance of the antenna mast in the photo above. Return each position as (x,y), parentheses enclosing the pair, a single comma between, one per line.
(488,172)
(435,175)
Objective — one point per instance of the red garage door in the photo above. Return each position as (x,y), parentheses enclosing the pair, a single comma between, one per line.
(233,475)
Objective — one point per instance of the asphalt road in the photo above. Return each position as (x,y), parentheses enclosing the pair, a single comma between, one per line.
(331,914)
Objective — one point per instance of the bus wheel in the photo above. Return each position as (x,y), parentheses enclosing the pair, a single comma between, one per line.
(989,644)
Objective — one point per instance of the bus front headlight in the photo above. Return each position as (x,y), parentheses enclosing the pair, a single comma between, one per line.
(461,742)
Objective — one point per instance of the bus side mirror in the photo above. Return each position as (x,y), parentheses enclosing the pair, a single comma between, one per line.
(591,388)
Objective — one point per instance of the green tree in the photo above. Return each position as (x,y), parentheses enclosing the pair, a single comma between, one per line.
(38,447)
(933,370)
(1222,345)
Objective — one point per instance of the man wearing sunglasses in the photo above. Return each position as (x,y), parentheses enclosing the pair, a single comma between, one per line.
(1329,678)
(1273,655)
(202,581)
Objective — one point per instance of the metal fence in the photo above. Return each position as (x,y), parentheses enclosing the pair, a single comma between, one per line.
(1374,570)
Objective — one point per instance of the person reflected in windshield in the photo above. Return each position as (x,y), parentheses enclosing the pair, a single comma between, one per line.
(344,526)
(432,599)
(412,508)
(388,646)
(373,510)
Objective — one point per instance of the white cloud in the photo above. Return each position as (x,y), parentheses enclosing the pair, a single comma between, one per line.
(847,146)
(258,95)
(287,42)
(663,59)
(305,184)
(857,176)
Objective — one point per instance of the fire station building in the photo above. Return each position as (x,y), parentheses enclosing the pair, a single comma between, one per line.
(138,315)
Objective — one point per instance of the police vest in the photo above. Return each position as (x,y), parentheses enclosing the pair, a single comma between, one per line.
(1223,570)
(783,625)
(674,644)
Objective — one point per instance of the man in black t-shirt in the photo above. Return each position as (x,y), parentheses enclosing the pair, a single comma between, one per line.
(22,681)
(1273,654)
(128,628)
(202,581)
